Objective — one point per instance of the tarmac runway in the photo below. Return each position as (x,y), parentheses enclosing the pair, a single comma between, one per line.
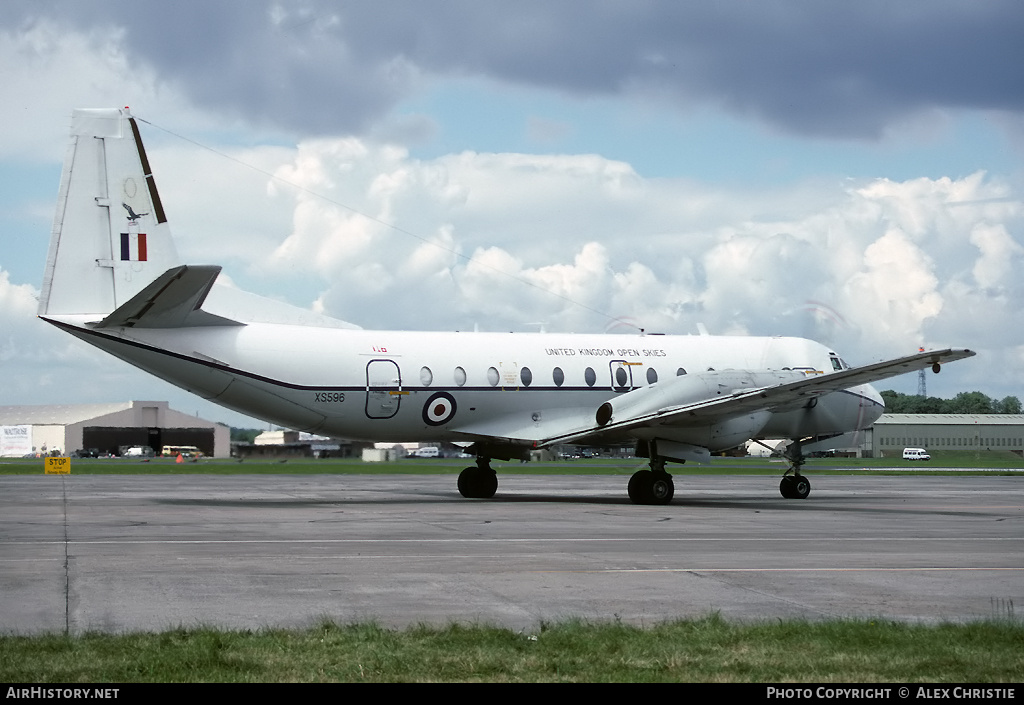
(131,552)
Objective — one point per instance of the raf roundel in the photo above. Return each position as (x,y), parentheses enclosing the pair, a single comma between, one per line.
(439,409)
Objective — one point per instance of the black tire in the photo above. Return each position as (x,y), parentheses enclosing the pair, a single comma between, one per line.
(786,487)
(487,484)
(795,487)
(647,487)
(467,482)
(477,483)
(638,487)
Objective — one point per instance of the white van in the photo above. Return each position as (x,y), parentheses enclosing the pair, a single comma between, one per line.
(916,454)
(428,452)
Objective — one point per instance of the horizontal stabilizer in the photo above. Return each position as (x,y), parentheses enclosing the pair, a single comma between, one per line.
(172,300)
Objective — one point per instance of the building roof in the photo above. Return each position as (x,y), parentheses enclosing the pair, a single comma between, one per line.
(57,414)
(125,413)
(952,419)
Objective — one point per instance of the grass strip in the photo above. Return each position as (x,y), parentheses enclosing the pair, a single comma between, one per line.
(708,649)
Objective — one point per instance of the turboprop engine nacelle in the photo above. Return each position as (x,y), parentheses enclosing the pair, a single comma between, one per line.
(691,389)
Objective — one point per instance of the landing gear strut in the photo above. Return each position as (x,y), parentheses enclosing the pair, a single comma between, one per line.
(795,486)
(479,481)
(652,486)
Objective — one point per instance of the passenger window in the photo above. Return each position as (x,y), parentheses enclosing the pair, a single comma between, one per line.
(460,376)
(620,377)
(652,375)
(680,372)
(492,376)
(526,376)
(426,376)
(590,376)
(558,376)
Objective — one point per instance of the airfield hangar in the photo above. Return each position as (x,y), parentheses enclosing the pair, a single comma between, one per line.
(108,428)
(977,433)
(938,432)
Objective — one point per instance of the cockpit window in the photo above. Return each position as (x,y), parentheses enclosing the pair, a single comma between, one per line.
(836,363)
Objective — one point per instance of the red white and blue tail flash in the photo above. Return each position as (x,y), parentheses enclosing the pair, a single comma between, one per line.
(133,247)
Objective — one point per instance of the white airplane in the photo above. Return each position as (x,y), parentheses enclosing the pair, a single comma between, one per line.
(114,279)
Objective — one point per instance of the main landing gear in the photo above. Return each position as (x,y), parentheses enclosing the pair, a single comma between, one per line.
(652,486)
(795,486)
(479,481)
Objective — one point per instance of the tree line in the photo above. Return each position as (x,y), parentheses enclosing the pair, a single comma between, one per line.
(962,403)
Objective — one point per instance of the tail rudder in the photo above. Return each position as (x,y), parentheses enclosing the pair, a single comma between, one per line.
(110,236)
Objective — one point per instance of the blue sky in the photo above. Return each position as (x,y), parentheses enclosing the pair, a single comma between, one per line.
(848,172)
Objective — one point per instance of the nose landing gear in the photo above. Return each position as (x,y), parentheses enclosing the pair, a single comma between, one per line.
(795,486)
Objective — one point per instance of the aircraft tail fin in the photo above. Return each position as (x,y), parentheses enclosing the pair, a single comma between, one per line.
(110,237)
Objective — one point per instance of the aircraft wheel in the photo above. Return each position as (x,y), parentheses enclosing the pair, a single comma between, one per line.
(477,483)
(795,487)
(647,487)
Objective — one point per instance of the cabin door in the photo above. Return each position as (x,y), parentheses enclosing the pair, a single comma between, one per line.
(383,389)
(622,375)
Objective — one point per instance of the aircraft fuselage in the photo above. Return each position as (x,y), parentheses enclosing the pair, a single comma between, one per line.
(412,386)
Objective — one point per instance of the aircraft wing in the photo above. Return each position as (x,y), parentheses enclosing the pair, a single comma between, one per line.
(729,393)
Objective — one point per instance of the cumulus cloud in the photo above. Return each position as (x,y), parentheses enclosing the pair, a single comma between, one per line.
(509,241)
(18,304)
(999,255)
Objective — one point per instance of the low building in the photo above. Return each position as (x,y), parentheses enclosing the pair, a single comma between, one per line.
(939,432)
(107,429)
(892,433)
(282,445)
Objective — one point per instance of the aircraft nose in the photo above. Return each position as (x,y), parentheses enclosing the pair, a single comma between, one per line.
(872,405)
